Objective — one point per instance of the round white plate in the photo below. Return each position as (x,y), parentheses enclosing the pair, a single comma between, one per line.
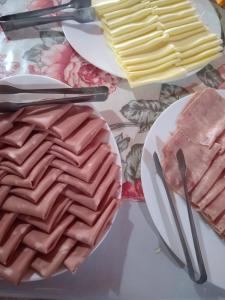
(89,42)
(213,248)
(36,81)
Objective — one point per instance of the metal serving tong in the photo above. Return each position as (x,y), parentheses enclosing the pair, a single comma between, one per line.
(182,167)
(80,95)
(82,13)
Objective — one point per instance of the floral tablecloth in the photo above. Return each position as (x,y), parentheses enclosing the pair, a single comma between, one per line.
(130,113)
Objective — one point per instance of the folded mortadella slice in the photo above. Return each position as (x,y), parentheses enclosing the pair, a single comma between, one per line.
(44,242)
(40,210)
(78,160)
(55,216)
(6,221)
(88,234)
(6,121)
(219,226)
(44,116)
(18,267)
(14,238)
(89,216)
(208,179)
(93,202)
(46,265)
(19,155)
(3,173)
(215,209)
(18,135)
(198,158)
(24,169)
(4,191)
(33,178)
(87,171)
(83,136)
(71,121)
(34,195)
(89,188)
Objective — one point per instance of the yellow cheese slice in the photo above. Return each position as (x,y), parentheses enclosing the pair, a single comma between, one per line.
(172,8)
(117,5)
(198,64)
(180,22)
(159,3)
(183,36)
(201,48)
(184,28)
(178,15)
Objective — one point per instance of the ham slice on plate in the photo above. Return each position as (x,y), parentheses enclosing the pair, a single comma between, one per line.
(46,265)
(19,266)
(6,221)
(198,159)
(93,202)
(215,209)
(87,171)
(17,136)
(14,238)
(208,123)
(44,242)
(6,121)
(4,190)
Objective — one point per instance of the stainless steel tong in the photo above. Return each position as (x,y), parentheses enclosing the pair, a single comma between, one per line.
(82,12)
(182,167)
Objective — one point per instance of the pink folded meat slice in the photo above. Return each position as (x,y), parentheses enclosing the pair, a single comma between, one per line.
(89,188)
(208,123)
(14,238)
(215,209)
(88,234)
(217,188)
(93,202)
(24,169)
(208,179)
(6,221)
(47,265)
(89,216)
(40,210)
(34,195)
(4,191)
(78,160)
(55,216)
(6,121)
(198,159)
(19,155)
(221,140)
(83,136)
(44,242)
(44,116)
(18,135)
(33,178)
(71,121)
(87,171)
(18,267)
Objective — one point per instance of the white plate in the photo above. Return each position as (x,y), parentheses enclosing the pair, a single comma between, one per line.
(89,42)
(212,246)
(36,81)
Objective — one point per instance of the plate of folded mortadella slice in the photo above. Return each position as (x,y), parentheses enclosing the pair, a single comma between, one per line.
(195,124)
(60,184)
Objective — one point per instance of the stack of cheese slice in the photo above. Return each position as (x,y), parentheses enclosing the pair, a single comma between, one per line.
(157,40)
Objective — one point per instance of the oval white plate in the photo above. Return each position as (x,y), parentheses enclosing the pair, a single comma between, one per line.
(36,81)
(89,42)
(213,248)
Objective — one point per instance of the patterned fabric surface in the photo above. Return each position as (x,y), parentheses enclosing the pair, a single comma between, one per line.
(44,50)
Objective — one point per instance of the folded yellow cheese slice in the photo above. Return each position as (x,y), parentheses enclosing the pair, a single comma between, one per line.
(172,8)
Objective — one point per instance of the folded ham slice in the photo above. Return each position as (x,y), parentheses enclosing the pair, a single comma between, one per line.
(208,123)
(78,160)
(24,169)
(88,234)
(17,136)
(14,238)
(19,155)
(19,266)
(44,242)
(93,202)
(6,121)
(89,216)
(83,136)
(87,171)
(44,116)
(198,159)
(34,195)
(215,209)
(4,190)
(6,221)
(46,265)
(34,177)
(71,121)
(40,210)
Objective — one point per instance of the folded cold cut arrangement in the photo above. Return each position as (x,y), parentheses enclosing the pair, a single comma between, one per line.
(59,185)
(200,133)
